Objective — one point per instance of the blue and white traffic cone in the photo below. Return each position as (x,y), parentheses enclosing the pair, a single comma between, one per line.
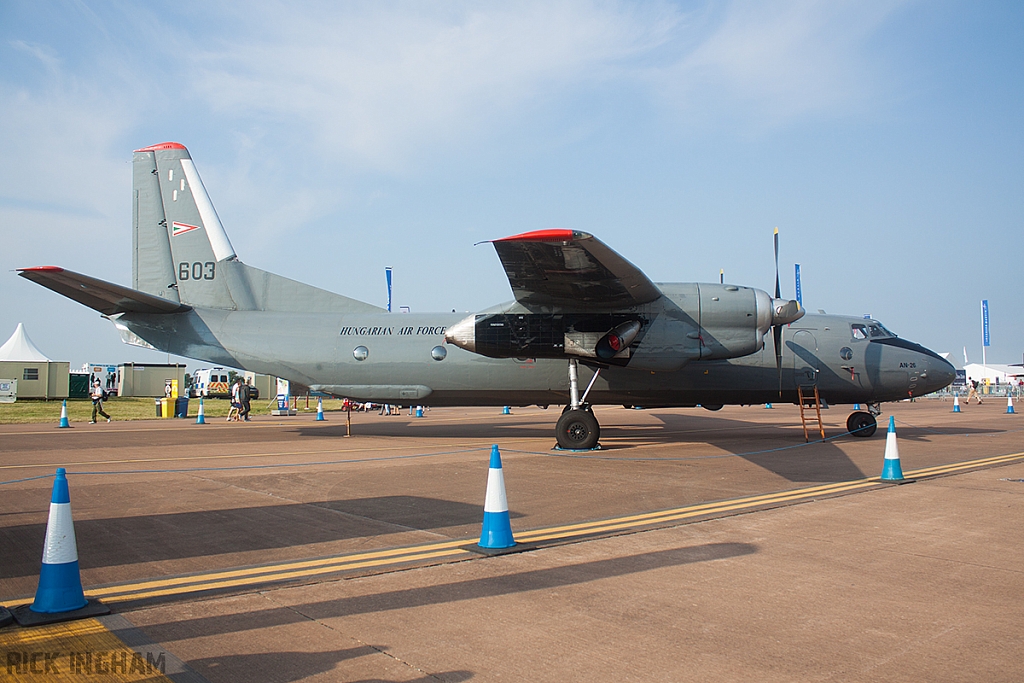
(64,414)
(1009,405)
(507,410)
(891,470)
(497,527)
(419,411)
(856,406)
(320,409)
(201,417)
(59,596)
(956,403)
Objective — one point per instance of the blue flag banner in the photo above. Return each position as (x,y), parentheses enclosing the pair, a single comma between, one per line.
(984,322)
(387,274)
(799,289)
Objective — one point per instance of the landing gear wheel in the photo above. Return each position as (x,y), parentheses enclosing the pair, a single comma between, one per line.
(577,430)
(861,424)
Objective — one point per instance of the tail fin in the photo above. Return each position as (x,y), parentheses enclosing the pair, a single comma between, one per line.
(182,252)
(178,234)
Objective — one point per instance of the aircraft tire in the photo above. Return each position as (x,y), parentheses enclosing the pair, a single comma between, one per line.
(577,430)
(861,424)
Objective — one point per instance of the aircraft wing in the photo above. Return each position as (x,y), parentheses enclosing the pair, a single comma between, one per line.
(571,268)
(99,295)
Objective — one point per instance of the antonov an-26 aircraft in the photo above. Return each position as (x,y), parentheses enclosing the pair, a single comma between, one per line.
(577,303)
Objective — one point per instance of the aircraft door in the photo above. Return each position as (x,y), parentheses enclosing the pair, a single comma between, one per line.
(804,349)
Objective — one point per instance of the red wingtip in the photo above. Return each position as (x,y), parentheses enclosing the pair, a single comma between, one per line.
(555,235)
(162,146)
(45,269)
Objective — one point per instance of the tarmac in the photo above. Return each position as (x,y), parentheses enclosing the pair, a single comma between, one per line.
(694,546)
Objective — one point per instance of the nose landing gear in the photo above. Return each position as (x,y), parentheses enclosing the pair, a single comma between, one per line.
(862,423)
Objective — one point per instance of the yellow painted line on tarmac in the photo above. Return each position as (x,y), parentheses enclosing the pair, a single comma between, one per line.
(453,549)
(969,464)
(661,516)
(393,554)
(280,576)
(82,650)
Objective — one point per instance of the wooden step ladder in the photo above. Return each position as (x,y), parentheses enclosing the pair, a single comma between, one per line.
(808,399)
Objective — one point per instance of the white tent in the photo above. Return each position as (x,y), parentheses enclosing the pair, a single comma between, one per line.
(36,375)
(20,348)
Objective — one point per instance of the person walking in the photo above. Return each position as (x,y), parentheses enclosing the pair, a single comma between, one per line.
(973,392)
(236,401)
(97,395)
(245,396)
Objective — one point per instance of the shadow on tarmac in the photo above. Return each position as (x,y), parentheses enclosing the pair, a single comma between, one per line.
(283,667)
(176,535)
(446,593)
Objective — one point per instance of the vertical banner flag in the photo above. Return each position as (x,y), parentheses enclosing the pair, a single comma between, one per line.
(387,274)
(799,289)
(984,323)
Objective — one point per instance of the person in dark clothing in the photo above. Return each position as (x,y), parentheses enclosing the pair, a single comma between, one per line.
(245,393)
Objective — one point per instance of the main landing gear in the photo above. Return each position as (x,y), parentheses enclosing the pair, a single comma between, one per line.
(862,423)
(578,429)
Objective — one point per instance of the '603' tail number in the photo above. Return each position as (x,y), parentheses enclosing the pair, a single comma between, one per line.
(197,270)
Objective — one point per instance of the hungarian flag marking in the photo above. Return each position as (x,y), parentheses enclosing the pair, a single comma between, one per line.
(181,228)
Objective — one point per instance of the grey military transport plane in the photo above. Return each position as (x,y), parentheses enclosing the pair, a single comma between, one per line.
(577,303)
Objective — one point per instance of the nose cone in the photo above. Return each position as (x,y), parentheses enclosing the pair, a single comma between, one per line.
(941,374)
(463,334)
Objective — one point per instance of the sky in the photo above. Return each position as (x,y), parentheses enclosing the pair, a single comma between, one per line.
(882,137)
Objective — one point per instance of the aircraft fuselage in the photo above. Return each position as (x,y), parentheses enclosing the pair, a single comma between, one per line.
(399,364)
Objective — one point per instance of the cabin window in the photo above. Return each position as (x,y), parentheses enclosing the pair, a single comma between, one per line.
(30,373)
(859,331)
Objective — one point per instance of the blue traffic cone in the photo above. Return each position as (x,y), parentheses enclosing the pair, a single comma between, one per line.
(497,527)
(856,406)
(201,417)
(59,596)
(60,586)
(1009,405)
(64,414)
(956,403)
(320,409)
(768,406)
(891,470)
(419,411)
(507,410)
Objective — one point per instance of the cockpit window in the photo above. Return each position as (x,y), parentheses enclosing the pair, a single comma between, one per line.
(870,330)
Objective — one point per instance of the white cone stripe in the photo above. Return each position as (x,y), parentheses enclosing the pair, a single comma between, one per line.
(495,500)
(60,547)
(892,451)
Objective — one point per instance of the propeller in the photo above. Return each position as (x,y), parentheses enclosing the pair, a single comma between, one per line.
(784,311)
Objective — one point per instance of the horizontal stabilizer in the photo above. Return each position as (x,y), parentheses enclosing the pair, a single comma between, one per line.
(99,295)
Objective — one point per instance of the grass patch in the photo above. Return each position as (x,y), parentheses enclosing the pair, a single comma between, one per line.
(124,408)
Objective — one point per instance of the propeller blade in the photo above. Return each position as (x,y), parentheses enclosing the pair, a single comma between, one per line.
(778,289)
(777,335)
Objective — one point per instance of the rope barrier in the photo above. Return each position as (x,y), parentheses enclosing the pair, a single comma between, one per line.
(258,467)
